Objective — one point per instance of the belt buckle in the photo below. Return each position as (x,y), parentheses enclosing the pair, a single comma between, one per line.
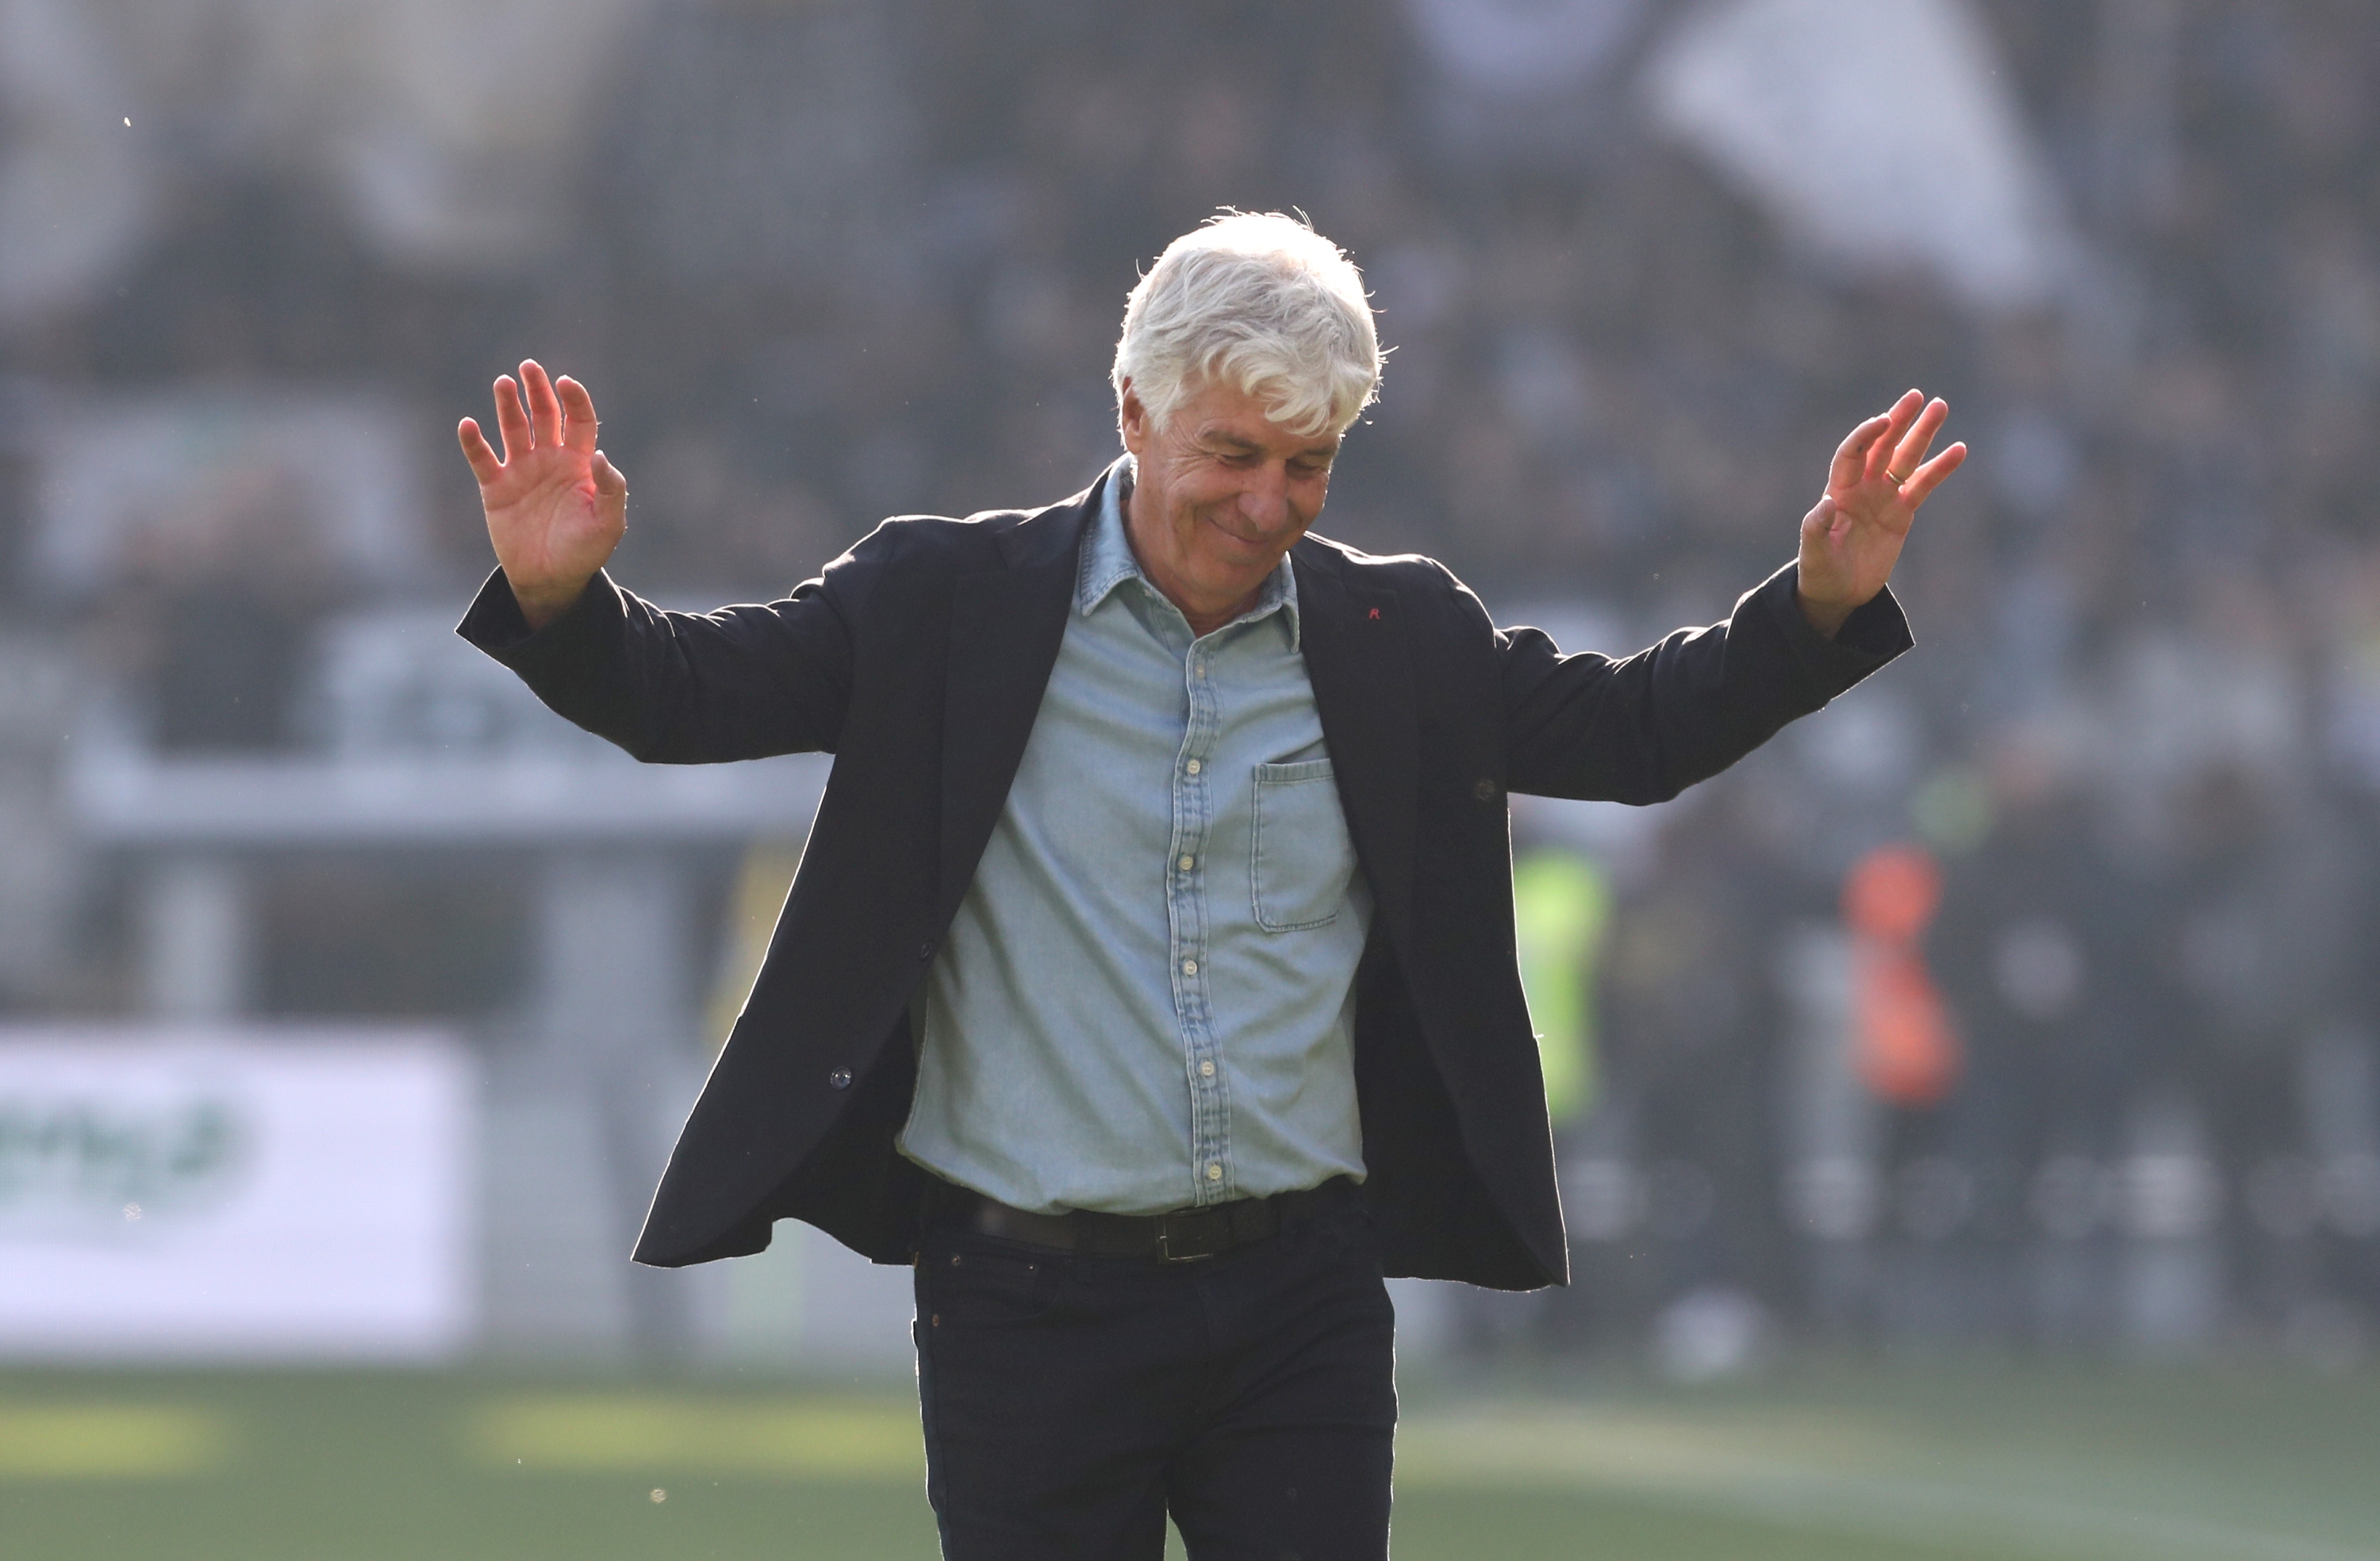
(1167,1235)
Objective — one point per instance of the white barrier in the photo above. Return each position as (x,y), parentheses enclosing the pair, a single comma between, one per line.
(236,1192)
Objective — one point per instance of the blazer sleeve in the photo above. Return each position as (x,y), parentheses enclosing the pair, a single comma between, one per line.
(741,683)
(1642,729)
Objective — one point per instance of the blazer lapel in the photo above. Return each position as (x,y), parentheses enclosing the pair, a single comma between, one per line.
(1005,627)
(1355,657)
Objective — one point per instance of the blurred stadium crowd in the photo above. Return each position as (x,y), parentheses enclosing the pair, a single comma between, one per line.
(2026,997)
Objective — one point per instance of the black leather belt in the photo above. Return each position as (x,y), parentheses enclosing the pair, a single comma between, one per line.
(1181,1236)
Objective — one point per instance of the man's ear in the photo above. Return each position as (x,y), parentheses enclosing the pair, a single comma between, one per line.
(1132,419)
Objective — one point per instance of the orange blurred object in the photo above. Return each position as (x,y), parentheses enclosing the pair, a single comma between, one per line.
(1906,1051)
(1892,892)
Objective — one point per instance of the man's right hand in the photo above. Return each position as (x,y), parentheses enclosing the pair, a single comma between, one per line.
(556,508)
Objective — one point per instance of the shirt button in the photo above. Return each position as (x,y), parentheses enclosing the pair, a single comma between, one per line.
(1206,1069)
(1192,767)
(1188,863)
(839,1079)
(1189,967)
(1214,1170)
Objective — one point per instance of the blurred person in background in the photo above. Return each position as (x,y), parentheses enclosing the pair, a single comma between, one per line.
(2251,954)
(1695,1020)
(2038,948)
(1148,982)
(215,610)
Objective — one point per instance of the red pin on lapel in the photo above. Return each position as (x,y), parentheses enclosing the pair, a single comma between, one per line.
(1376,613)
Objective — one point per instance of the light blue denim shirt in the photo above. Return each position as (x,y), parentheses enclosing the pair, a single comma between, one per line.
(1147,1002)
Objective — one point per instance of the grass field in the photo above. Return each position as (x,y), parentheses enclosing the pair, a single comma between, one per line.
(1848,1462)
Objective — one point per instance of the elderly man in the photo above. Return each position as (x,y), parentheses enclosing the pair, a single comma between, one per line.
(1148,982)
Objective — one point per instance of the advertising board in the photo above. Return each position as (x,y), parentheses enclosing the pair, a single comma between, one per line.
(251,1191)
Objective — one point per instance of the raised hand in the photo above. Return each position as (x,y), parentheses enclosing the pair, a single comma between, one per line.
(556,508)
(1852,539)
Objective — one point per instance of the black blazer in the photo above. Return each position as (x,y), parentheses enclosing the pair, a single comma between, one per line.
(918,659)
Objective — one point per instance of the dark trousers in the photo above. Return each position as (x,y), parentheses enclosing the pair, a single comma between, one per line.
(1073,1400)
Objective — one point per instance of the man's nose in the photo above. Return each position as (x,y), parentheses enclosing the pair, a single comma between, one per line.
(1265,499)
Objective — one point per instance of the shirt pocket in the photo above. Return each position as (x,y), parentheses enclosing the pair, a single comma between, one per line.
(1300,859)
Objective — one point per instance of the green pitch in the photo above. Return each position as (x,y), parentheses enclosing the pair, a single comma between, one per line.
(1847,1462)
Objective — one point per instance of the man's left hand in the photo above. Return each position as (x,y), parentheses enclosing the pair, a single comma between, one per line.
(1852,539)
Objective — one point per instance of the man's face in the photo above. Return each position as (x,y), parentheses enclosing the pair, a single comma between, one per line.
(1222,492)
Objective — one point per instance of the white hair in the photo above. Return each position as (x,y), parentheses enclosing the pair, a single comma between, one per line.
(1261,301)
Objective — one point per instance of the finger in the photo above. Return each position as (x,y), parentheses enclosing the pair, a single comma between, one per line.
(1928,478)
(1820,521)
(1851,457)
(608,480)
(543,406)
(577,414)
(1895,423)
(484,465)
(1910,451)
(511,420)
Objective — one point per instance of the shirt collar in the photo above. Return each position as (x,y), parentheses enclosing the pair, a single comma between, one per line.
(1108,561)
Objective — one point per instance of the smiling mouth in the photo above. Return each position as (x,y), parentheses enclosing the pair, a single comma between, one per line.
(1254,544)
